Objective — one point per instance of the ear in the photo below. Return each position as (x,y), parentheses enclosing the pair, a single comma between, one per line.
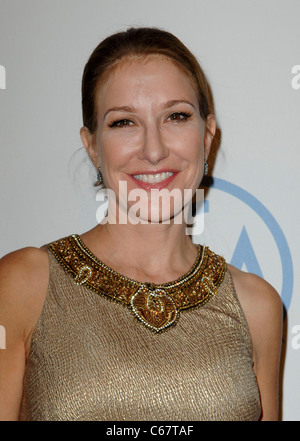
(210,131)
(88,140)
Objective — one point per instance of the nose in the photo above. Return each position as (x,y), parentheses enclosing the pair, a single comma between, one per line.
(153,148)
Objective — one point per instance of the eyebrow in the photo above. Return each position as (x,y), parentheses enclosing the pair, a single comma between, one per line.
(174,102)
(131,109)
(120,109)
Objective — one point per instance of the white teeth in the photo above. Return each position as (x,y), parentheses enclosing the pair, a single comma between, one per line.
(153,178)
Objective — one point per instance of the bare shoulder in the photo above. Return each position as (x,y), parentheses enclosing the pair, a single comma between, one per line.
(255,292)
(24,276)
(262,307)
(23,288)
(26,265)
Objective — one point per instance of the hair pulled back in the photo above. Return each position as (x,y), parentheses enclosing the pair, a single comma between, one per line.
(138,42)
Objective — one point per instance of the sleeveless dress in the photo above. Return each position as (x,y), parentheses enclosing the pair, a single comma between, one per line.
(165,356)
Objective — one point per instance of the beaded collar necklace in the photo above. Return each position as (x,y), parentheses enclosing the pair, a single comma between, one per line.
(156,306)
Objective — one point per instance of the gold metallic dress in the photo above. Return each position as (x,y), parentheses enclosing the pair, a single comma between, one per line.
(109,348)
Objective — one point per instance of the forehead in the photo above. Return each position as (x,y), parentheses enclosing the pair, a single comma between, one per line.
(154,76)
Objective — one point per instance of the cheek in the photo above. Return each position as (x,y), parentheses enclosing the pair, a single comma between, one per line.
(190,146)
(116,148)
(193,154)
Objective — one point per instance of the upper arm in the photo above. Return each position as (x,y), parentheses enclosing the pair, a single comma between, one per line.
(263,311)
(23,276)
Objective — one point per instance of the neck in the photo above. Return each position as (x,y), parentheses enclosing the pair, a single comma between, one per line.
(157,252)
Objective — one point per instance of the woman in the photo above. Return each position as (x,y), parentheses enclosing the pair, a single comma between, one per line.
(197,339)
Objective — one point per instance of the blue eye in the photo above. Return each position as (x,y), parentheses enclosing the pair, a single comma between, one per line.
(121,123)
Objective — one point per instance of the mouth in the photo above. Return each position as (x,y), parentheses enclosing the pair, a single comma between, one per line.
(154,180)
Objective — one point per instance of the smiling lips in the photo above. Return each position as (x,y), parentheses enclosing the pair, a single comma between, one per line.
(154,180)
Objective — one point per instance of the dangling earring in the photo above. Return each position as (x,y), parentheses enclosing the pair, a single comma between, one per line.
(205,168)
(99,177)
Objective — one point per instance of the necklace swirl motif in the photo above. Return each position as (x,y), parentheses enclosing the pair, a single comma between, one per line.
(156,306)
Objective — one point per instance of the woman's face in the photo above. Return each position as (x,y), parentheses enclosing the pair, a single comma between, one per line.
(150,135)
